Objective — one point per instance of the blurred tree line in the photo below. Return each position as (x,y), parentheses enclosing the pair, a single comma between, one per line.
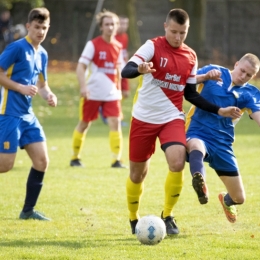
(196,10)
(8,4)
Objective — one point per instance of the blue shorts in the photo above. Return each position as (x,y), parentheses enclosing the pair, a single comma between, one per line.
(220,156)
(19,131)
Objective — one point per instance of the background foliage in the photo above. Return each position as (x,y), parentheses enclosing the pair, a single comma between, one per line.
(9,3)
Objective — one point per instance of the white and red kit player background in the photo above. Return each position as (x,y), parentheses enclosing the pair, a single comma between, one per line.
(98,73)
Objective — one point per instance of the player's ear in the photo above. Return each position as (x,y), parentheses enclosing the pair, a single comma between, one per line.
(27,25)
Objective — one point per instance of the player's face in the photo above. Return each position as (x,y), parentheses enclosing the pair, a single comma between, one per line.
(37,31)
(243,72)
(109,27)
(124,23)
(176,33)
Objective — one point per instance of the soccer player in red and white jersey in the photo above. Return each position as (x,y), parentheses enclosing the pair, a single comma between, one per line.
(168,68)
(122,37)
(98,73)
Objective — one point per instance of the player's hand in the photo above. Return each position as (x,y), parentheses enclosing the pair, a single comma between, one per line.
(125,93)
(84,92)
(213,74)
(233,112)
(28,90)
(52,100)
(146,67)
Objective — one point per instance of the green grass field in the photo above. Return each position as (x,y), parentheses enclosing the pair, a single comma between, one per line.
(88,205)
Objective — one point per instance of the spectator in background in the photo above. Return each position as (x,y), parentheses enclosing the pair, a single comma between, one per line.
(122,37)
(6,34)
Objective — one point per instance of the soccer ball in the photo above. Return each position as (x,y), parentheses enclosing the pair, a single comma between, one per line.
(150,230)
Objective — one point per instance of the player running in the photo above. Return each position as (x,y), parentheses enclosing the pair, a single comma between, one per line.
(168,72)
(23,74)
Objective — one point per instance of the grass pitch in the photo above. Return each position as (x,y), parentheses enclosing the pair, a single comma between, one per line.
(88,205)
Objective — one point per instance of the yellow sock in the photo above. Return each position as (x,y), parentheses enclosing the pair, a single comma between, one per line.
(134,192)
(77,144)
(173,187)
(115,140)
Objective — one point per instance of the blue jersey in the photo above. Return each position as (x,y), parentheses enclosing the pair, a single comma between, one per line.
(23,64)
(214,127)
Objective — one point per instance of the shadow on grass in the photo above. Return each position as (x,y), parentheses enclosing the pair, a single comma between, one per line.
(110,240)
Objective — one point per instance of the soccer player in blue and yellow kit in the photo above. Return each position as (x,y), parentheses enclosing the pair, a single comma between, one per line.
(23,74)
(210,137)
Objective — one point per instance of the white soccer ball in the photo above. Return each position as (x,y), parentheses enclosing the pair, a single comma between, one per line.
(150,230)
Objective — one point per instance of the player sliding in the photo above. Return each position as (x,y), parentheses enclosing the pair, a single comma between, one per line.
(167,69)
(210,137)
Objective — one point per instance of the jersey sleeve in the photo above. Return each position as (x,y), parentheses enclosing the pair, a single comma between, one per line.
(144,53)
(9,56)
(87,54)
(192,77)
(207,68)
(120,61)
(43,74)
(254,104)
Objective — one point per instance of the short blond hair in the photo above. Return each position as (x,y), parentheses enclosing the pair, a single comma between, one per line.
(101,15)
(252,59)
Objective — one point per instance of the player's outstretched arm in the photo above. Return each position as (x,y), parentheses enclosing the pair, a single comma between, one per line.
(132,70)
(256,117)
(233,112)
(213,74)
(191,95)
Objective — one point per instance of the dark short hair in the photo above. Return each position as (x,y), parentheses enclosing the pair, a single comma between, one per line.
(40,15)
(178,15)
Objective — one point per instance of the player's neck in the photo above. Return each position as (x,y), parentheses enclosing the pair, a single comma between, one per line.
(107,38)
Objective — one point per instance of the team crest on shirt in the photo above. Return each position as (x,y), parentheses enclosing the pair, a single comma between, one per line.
(6,145)
(28,56)
(220,83)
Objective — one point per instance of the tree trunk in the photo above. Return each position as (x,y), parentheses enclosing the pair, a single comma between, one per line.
(128,9)
(197,32)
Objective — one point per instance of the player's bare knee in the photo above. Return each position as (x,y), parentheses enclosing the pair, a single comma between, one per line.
(41,164)
(177,166)
(137,177)
(6,167)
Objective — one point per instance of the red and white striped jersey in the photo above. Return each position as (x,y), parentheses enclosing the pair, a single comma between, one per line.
(159,96)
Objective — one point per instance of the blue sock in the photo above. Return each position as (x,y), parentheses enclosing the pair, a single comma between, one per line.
(33,189)
(102,116)
(196,162)
(228,200)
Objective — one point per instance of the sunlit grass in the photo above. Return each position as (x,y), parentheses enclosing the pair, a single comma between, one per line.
(88,205)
